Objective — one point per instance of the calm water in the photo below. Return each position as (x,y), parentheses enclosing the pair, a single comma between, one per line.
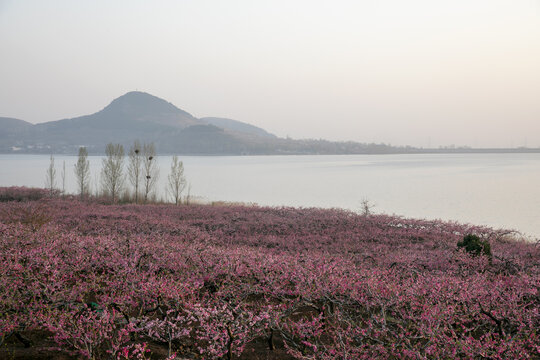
(499,190)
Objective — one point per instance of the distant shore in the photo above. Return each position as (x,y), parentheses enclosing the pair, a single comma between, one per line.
(388,151)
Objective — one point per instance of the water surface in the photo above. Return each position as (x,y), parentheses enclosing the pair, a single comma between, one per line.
(499,190)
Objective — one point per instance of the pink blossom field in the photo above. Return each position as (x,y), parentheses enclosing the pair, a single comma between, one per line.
(89,280)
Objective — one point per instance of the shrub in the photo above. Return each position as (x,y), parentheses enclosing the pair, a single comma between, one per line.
(475,246)
(31,214)
(21,193)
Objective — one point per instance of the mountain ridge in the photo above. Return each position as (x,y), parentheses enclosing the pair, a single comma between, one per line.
(239,126)
(141,116)
(134,115)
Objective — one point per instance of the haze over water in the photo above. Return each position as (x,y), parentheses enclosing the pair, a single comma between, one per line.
(498,190)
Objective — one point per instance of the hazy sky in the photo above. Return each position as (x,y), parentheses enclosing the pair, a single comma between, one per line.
(424,73)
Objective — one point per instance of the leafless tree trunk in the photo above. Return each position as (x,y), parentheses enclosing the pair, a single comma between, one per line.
(177,181)
(97,185)
(150,168)
(188,196)
(50,179)
(82,172)
(112,179)
(134,170)
(63,176)
(366,206)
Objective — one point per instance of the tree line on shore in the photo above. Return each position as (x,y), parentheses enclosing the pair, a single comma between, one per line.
(141,173)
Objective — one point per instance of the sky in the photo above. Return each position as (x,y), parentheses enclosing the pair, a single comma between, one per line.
(424,73)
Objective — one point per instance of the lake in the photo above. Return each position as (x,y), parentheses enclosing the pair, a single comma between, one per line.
(498,190)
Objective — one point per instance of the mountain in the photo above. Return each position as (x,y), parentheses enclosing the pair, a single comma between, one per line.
(237,126)
(11,131)
(12,126)
(138,115)
(135,115)
(145,107)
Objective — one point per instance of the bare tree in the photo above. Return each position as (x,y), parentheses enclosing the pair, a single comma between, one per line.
(366,206)
(63,177)
(188,196)
(177,181)
(82,172)
(112,178)
(50,179)
(134,170)
(97,185)
(150,168)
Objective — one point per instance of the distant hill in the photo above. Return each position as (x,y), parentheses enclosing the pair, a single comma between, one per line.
(237,126)
(135,115)
(11,133)
(138,115)
(11,125)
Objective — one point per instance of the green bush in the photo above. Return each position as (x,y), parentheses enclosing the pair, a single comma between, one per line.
(475,246)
